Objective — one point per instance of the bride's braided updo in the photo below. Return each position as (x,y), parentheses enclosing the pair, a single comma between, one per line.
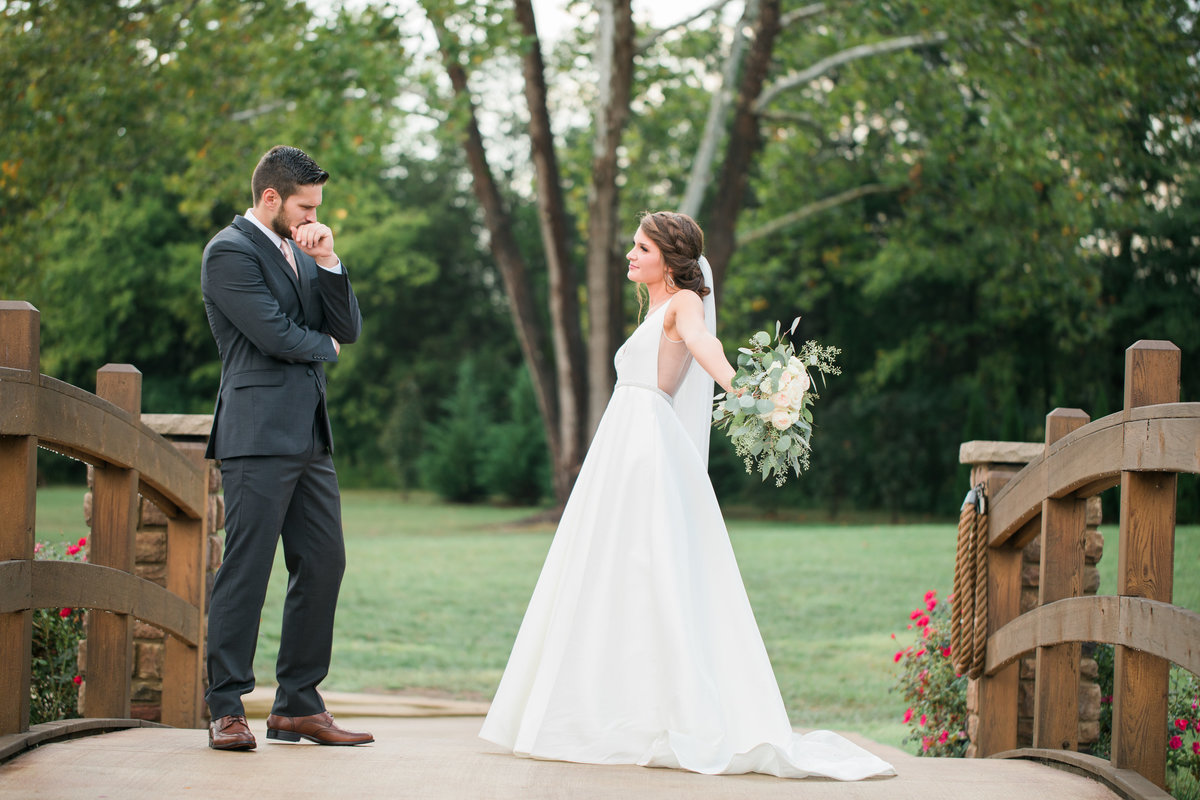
(681,242)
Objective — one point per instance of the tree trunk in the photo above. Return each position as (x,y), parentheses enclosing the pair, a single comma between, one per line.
(615,48)
(714,125)
(563,299)
(508,258)
(744,143)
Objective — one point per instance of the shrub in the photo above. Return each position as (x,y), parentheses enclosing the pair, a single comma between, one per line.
(515,464)
(457,438)
(935,693)
(54,683)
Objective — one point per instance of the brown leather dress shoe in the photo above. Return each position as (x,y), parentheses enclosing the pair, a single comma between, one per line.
(318,728)
(230,732)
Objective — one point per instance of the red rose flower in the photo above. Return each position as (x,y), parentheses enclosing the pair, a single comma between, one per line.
(1175,743)
(65,612)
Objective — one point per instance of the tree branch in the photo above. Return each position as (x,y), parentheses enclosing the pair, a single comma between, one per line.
(647,41)
(801,13)
(844,57)
(815,207)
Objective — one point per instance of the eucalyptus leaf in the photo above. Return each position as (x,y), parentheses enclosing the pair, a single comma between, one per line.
(763,406)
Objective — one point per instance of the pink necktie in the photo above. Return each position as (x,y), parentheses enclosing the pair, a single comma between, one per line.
(287,253)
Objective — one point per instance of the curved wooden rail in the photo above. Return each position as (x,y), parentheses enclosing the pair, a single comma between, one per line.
(1151,626)
(1153,438)
(58,584)
(106,431)
(76,423)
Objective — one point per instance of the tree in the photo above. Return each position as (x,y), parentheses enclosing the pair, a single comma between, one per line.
(572,408)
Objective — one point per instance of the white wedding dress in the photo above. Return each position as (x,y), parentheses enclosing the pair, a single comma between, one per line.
(639,645)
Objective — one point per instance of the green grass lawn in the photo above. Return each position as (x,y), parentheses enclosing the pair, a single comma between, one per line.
(434,593)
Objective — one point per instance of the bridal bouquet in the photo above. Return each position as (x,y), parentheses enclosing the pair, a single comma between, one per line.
(768,415)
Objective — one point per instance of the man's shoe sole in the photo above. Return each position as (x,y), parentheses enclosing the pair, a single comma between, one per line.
(292,736)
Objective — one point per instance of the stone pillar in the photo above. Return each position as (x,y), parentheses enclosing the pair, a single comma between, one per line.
(151,561)
(995,463)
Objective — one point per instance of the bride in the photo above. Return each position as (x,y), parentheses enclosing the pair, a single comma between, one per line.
(639,645)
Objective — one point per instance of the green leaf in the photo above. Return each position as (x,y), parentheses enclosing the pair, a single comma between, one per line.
(763,406)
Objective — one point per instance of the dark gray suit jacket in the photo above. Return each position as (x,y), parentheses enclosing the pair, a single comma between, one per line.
(272,332)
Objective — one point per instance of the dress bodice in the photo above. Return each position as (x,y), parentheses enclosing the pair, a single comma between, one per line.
(649,358)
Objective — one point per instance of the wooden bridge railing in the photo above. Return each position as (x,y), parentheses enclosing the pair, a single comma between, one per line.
(105,431)
(1142,448)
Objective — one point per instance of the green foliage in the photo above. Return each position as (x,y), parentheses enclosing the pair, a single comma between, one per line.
(515,464)
(1031,207)
(935,694)
(457,438)
(54,682)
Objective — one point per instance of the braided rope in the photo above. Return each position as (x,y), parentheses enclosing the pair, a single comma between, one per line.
(981,598)
(968,615)
(962,612)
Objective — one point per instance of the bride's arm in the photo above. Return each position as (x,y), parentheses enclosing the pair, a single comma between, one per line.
(704,347)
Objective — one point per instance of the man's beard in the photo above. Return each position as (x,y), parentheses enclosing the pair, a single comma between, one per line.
(280,226)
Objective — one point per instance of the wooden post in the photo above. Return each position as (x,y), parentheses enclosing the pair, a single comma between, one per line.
(1145,568)
(20,348)
(998,693)
(1063,546)
(187,564)
(113,544)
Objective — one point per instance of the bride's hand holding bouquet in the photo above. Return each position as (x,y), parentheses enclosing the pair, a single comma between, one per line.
(768,415)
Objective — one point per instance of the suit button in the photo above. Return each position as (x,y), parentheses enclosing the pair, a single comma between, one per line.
(310,372)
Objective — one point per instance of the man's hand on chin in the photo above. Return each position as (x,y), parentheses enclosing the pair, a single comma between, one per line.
(316,240)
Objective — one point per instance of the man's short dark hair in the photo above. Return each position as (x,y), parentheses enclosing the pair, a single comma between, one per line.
(283,169)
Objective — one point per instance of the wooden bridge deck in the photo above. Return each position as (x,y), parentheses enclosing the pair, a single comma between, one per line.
(421,756)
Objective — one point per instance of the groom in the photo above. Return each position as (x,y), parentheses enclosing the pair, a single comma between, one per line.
(280,305)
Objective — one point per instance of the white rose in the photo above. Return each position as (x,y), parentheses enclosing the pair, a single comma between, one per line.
(782,398)
(795,395)
(781,418)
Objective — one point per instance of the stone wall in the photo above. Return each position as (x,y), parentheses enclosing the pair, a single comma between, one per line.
(187,431)
(1005,459)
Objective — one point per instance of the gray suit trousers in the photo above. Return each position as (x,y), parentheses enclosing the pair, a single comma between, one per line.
(268,498)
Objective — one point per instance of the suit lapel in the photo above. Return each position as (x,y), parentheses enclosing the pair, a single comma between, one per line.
(270,254)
